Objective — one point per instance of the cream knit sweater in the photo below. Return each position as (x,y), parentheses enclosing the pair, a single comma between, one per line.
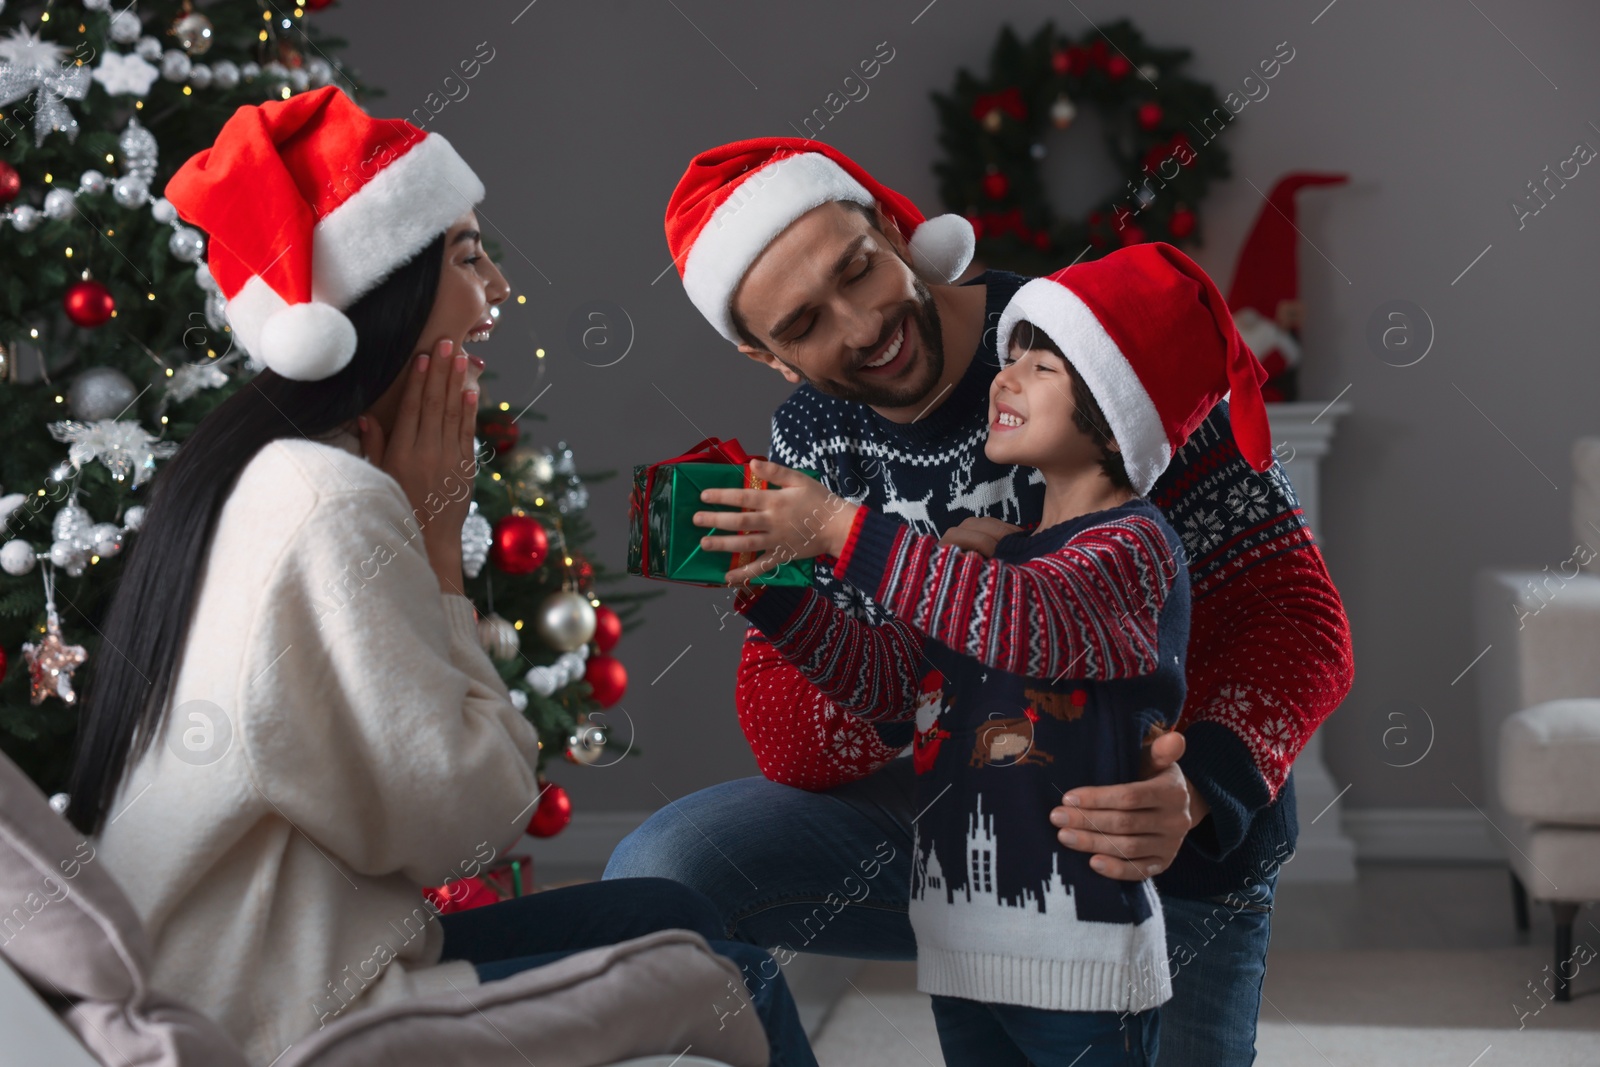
(337,740)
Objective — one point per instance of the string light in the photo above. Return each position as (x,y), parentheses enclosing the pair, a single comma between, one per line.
(69,253)
(539,352)
(504,406)
(522,299)
(48,177)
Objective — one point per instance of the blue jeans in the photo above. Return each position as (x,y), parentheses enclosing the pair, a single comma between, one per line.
(830,872)
(526,932)
(975,1034)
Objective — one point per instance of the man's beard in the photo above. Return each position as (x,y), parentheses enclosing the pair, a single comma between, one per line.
(863,389)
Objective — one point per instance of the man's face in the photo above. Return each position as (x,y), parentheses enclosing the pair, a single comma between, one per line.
(830,297)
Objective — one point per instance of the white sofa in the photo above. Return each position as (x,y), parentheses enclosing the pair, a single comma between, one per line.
(1539,704)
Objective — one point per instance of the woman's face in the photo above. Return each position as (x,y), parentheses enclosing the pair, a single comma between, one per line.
(469,285)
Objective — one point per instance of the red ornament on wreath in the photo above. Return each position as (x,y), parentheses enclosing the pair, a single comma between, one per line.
(552,813)
(88,303)
(1131,234)
(1182,222)
(1118,67)
(1150,115)
(520,544)
(996,185)
(10,182)
(3,663)
(500,430)
(606,675)
(607,631)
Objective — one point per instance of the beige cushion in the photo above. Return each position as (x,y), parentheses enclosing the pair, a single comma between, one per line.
(1559,863)
(1586,500)
(665,992)
(73,935)
(1549,756)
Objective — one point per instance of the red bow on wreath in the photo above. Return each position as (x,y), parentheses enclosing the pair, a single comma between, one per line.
(1007,100)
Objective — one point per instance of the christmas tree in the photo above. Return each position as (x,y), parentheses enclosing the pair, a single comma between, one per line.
(113,346)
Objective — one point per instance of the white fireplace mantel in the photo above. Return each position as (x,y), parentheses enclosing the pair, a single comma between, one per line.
(1302,433)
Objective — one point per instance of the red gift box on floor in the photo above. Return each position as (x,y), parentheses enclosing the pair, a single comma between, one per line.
(512,877)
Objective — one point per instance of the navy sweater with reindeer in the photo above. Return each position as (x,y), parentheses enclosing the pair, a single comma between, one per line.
(1027,674)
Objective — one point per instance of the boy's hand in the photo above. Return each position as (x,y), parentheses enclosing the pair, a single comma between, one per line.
(979,533)
(797,518)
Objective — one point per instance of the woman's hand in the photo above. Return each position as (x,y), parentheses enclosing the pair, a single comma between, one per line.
(979,533)
(429,452)
(797,518)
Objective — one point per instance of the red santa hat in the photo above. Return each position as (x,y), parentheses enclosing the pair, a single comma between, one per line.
(1152,338)
(734,199)
(309,203)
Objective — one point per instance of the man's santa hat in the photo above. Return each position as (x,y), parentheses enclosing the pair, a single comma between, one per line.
(1152,338)
(1267,274)
(309,204)
(735,199)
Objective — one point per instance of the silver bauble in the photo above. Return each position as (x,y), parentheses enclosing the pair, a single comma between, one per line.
(565,620)
(476,537)
(299,80)
(107,537)
(587,743)
(59,204)
(202,273)
(200,76)
(71,524)
(541,680)
(68,557)
(499,637)
(92,182)
(250,71)
(133,518)
(175,65)
(224,74)
(148,49)
(216,318)
(163,212)
(194,32)
(59,802)
(187,243)
(100,393)
(125,27)
(16,558)
(97,5)
(25,218)
(321,71)
(130,190)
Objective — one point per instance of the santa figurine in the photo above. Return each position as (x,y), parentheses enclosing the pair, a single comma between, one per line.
(1265,296)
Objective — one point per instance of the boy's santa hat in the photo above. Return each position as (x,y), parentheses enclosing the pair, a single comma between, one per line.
(1152,338)
(309,203)
(736,198)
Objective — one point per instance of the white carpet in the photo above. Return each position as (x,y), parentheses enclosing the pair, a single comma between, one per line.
(1359,1008)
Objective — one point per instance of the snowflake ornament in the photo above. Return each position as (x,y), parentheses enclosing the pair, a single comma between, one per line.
(123,446)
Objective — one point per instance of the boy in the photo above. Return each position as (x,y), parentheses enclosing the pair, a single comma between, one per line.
(1051,662)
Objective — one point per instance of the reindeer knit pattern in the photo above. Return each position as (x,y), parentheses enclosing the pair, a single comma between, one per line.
(1269,654)
(1033,672)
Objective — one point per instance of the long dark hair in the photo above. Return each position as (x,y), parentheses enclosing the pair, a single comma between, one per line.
(147,623)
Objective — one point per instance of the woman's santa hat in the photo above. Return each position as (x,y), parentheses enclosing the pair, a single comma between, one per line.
(309,203)
(1152,338)
(735,199)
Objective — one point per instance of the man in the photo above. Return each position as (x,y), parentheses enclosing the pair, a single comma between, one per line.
(814,269)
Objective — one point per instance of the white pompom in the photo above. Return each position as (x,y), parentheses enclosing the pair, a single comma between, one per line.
(59,803)
(307,342)
(17,558)
(943,245)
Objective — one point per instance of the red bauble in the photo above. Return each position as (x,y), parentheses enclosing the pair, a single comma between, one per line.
(996,185)
(608,677)
(553,812)
(1041,240)
(1131,234)
(2,664)
(1150,115)
(520,544)
(607,631)
(500,430)
(1061,61)
(10,182)
(1182,224)
(977,227)
(88,303)
(1118,67)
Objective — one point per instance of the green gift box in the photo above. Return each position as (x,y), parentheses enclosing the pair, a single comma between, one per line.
(664,542)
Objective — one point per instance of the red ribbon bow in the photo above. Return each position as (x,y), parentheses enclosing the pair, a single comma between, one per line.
(1007,100)
(710,450)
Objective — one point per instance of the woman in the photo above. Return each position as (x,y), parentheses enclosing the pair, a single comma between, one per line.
(292,728)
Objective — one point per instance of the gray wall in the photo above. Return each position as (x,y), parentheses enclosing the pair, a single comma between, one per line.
(587,114)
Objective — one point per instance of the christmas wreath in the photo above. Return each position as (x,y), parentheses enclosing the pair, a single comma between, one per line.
(994,132)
